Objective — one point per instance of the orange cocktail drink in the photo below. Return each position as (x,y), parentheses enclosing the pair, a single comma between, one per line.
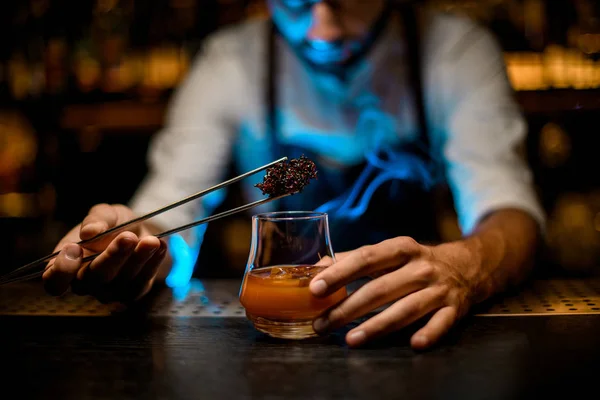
(288,250)
(282,293)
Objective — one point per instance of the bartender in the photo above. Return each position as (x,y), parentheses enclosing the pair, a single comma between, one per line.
(389,101)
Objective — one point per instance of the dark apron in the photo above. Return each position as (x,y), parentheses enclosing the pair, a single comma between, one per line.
(397,208)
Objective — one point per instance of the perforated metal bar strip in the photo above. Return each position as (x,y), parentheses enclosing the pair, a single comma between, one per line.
(219,299)
(550,297)
(210,299)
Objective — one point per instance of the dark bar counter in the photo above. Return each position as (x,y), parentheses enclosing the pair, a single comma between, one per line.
(199,345)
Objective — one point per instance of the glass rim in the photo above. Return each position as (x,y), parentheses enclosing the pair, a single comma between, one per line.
(290,215)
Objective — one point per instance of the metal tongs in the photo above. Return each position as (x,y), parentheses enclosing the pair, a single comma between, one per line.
(38,266)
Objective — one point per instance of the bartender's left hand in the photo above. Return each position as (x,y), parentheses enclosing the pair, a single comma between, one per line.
(416,280)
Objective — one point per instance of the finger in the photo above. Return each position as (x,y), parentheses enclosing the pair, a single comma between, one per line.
(439,324)
(324,262)
(100,218)
(103,217)
(342,255)
(144,250)
(364,261)
(375,294)
(327,260)
(107,265)
(58,276)
(142,254)
(143,282)
(397,316)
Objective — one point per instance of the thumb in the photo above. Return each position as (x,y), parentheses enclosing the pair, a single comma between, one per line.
(59,273)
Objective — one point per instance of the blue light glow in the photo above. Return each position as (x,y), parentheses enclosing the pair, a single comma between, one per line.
(384,164)
(324,51)
(184,259)
(214,199)
(294,19)
(185,255)
(400,166)
(180,293)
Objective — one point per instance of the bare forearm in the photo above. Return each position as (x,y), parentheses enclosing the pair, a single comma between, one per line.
(509,240)
(501,252)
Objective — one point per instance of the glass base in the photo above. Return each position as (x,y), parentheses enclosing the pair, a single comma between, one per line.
(294,330)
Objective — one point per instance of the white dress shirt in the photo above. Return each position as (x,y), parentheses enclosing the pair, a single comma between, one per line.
(218,116)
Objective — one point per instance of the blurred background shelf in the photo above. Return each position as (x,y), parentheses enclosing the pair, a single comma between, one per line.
(559,101)
(131,116)
(121,116)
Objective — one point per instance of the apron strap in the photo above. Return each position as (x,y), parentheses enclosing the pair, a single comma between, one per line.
(271,122)
(410,22)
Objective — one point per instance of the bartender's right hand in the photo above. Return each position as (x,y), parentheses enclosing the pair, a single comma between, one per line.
(124,271)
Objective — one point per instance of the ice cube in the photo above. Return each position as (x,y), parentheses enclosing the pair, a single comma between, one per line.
(303,282)
(305,274)
(301,272)
(280,273)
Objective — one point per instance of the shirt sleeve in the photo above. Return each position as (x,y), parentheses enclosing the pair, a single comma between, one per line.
(191,153)
(484,131)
